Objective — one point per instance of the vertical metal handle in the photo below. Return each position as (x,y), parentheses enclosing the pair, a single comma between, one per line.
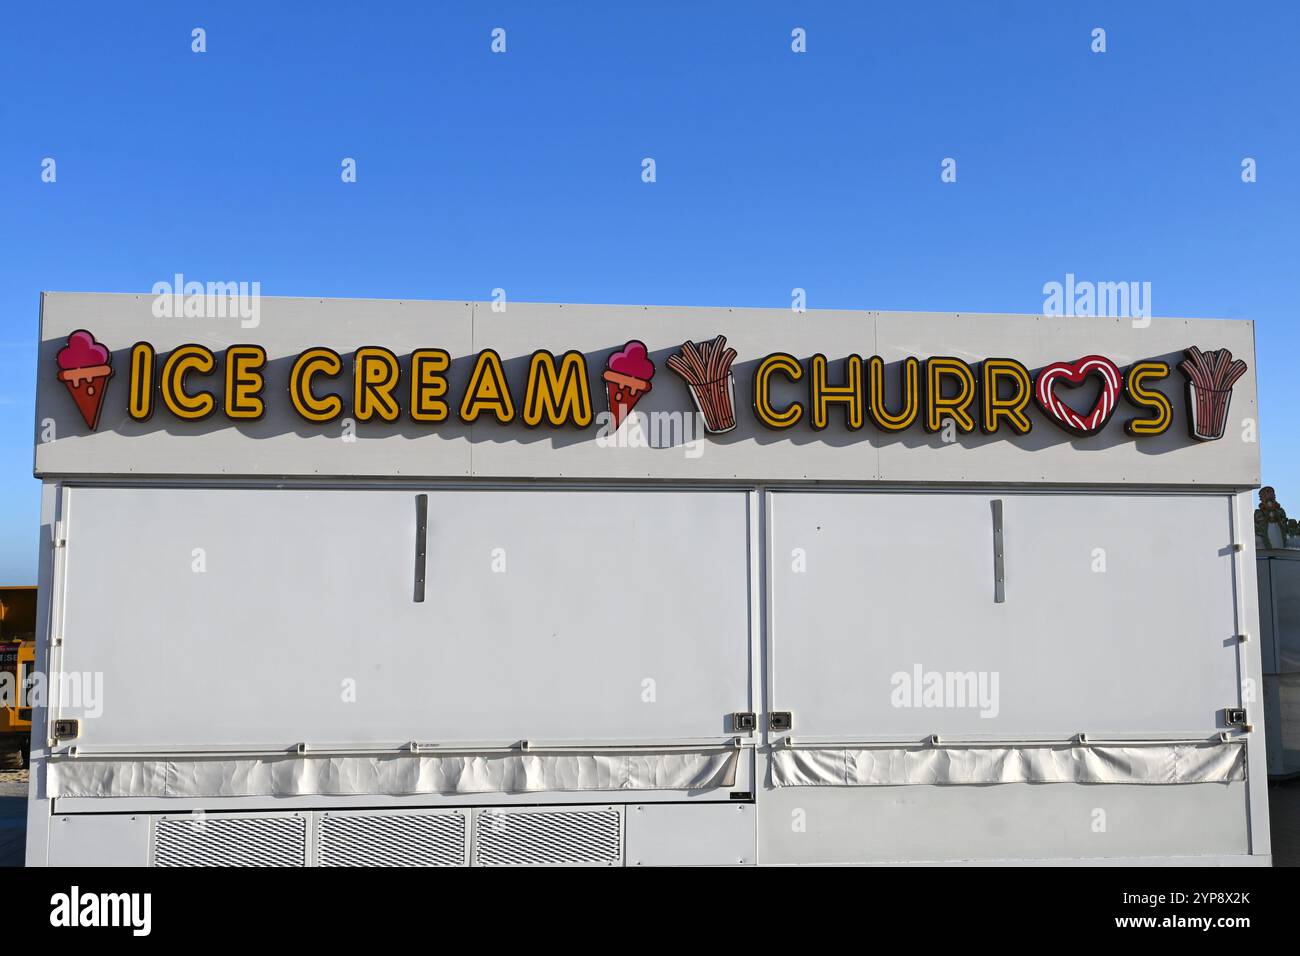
(999,569)
(421,537)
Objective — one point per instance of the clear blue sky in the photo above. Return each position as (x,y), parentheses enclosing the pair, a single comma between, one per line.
(775,170)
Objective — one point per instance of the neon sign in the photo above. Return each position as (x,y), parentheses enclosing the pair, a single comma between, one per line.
(994,396)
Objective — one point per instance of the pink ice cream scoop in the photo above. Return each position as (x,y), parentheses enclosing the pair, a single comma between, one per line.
(82,351)
(627,378)
(633,361)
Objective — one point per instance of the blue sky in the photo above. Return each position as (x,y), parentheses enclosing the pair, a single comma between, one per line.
(774,169)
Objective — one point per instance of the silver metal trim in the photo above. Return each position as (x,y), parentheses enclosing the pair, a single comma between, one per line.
(421,538)
(785,485)
(999,567)
(1078,740)
(728,743)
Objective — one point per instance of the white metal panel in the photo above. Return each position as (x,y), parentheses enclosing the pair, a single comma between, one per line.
(1008,822)
(99,839)
(548,616)
(1118,616)
(679,834)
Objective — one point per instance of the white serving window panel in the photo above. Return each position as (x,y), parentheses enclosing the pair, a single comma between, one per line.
(265,617)
(1117,616)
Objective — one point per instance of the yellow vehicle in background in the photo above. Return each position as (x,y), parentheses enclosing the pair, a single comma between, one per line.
(17,661)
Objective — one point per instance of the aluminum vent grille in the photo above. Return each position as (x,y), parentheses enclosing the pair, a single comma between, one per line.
(230,841)
(414,839)
(554,837)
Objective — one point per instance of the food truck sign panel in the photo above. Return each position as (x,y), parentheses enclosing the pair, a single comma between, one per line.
(341,388)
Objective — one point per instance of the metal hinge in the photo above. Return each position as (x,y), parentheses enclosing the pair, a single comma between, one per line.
(780,721)
(743,722)
(67,728)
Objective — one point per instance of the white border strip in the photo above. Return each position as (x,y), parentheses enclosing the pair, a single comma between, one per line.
(975,766)
(390,775)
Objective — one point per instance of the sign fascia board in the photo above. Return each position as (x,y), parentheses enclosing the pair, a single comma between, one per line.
(282,444)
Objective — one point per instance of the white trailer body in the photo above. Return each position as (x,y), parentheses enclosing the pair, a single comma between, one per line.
(282,641)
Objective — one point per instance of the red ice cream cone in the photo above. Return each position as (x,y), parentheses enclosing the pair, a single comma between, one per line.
(624,392)
(86,386)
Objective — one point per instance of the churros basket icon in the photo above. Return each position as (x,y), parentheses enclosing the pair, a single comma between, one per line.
(1210,377)
(706,369)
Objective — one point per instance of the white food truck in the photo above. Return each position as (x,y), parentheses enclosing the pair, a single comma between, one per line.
(357,582)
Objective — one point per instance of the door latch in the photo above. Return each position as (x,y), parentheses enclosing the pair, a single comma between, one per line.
(1236,717)
(67,728)
(780,721)
(743,722)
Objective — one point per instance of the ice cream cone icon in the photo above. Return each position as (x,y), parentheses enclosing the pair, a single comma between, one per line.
(627,378)
(85,367)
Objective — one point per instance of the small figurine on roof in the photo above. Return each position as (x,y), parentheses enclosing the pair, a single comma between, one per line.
(1270,520)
